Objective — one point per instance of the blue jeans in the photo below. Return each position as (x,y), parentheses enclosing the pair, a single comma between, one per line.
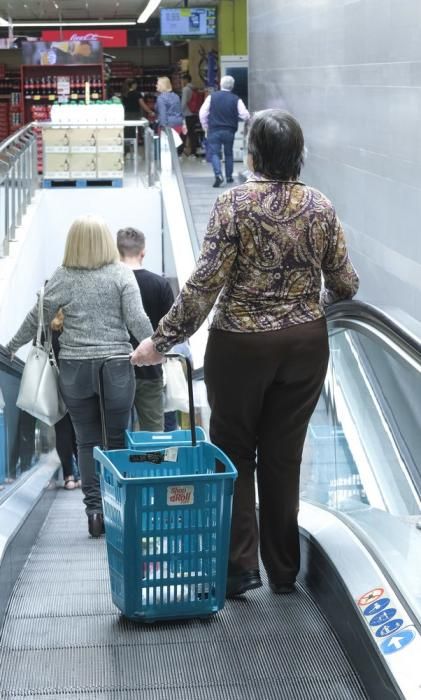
(79,387)
(218,138)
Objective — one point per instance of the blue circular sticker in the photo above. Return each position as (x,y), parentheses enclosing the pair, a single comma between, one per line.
(383,617)
(398,641)
(377,606)
(389,627)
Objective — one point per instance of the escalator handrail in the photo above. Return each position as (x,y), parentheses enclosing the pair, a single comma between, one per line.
(6,362)
(374,318)
(183,194)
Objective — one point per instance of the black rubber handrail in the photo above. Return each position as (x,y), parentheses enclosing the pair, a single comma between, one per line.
(5,361)
(361,312)
(354,310)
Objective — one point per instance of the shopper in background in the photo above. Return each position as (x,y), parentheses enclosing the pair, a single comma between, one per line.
(157,298)
(134,107)
(219,116)
(168,109)
(267,244)
(101,302)
(191,117)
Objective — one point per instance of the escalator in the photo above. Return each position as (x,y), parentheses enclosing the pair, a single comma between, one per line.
(62,636)
(351,630)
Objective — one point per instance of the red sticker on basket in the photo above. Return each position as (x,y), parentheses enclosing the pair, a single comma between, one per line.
(180,495)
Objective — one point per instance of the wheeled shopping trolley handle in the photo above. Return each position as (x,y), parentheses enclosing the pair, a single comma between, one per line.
(127,357)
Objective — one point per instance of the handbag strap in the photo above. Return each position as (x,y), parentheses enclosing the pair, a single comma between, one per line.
(47,333)
(40,315)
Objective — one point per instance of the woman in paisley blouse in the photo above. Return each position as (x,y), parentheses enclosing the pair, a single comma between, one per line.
(269,243)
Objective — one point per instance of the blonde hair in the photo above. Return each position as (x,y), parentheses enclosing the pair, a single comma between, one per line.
(58,321)
(89,244)
(165,84)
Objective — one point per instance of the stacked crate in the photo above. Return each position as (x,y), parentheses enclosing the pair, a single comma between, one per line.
(40,113)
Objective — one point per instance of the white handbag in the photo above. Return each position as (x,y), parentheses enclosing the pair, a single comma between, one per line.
(176,393)
(39,393)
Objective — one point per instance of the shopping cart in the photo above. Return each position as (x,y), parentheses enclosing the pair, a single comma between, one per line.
(167,512)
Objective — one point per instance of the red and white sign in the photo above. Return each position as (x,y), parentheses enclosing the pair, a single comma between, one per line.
(370,597)
(180,495)
(107,37)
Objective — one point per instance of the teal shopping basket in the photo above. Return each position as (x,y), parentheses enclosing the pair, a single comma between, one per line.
(167,513)
(141,438)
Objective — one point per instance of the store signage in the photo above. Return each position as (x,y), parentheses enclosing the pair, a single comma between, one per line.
(51,53)
(107,37)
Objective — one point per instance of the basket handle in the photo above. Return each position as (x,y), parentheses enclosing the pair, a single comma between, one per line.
(127,357)
(102,395)
(190,390)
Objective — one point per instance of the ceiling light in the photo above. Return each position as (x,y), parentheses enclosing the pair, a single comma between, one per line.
(87,23)
(56,6)
(150,7)
(3,22)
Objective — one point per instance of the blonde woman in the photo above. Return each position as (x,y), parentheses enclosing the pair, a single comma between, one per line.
(101,303)
(168,106)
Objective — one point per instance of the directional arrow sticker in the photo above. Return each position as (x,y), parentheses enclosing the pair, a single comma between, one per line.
(398,641)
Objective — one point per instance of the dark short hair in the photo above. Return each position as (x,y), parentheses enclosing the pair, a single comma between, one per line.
(276,144)
(130,242)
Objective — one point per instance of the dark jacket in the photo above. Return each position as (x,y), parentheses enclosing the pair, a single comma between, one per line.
(223,112)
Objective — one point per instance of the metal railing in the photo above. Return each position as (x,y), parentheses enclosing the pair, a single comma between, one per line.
(152,156)
(18,181)
(19,173)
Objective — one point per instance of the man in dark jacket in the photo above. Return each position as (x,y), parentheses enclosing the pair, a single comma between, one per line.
(157,298)
(219,116)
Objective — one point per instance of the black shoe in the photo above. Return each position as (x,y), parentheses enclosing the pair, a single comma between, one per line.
(96,524)
(218,181)
(282,588)
(237,585)
(230,179)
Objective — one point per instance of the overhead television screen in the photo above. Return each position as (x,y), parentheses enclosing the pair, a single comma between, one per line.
(188,23)
(50,53)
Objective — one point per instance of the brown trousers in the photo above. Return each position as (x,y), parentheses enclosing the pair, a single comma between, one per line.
(262,389)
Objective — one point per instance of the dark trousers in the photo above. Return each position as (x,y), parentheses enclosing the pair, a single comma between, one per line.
(66,444)
(24,445)
(193,127)
(79,386)
(218,138)
(262,390)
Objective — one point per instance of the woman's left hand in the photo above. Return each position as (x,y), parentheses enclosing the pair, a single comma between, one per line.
(146,354)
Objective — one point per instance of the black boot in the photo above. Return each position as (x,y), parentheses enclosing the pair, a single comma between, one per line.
(239,584)
(96,524)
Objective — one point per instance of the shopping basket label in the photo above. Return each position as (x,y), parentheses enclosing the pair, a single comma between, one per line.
(171,454)
(154,457)
(180,495)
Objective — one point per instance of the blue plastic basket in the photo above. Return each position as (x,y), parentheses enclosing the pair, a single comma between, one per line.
(174,437)
(167,519)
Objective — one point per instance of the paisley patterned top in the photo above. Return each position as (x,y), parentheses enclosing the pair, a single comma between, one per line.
(266,247)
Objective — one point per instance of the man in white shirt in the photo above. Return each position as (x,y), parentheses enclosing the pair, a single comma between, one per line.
(219,115)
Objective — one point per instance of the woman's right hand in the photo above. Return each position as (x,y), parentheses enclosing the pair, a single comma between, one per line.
(146,354)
